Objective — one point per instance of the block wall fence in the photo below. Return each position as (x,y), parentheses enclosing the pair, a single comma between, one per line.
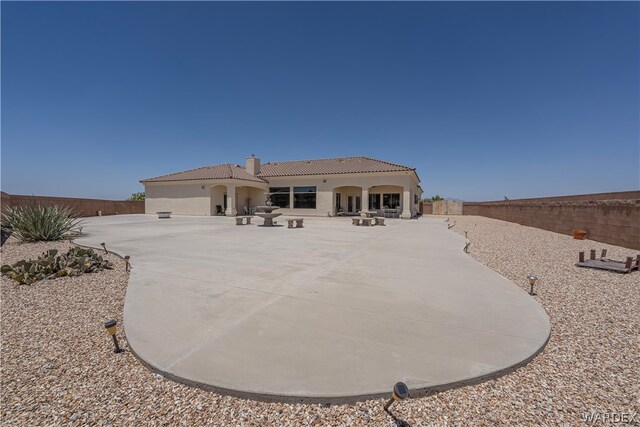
(612,218)
(84,207)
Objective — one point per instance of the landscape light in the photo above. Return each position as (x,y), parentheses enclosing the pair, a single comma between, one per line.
(532,281)
(104,246)
(110,326)
(400,392)
(126,261)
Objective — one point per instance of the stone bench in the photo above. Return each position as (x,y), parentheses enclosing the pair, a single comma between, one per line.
(240,220)
(164,214)
(368,221)
(379,220)
(358,220)
(298,222)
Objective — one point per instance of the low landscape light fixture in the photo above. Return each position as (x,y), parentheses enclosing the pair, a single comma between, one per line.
(104,246)
(400,392)
(532,281)
(110,326)
(127,266)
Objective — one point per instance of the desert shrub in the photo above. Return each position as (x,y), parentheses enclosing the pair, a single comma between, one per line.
(34,223)
(50,265)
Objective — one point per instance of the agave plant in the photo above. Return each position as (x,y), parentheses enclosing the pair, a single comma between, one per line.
(34,223)
(50,265)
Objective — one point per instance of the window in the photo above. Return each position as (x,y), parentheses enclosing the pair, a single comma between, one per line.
(416,199)
(280,196)
(304,197)
(374,201)
(391,200)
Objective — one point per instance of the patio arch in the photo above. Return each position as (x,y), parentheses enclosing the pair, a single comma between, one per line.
(347,200)
(235,198)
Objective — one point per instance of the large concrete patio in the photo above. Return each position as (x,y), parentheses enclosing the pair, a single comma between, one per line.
(330,312)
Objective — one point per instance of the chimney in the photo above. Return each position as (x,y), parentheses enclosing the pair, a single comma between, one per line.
(253,165)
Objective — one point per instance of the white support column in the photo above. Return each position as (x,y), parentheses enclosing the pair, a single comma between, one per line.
(406,204)
(231,201)
(365,200)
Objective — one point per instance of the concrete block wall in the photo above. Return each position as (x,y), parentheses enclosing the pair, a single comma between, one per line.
(426,208)
(447,207)
(84,207)
(612,218)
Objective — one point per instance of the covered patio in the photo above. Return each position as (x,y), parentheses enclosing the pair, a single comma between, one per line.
(236,197)
(387,201)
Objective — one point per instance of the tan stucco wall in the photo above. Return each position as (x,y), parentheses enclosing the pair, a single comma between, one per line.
(192,199)
(179,198)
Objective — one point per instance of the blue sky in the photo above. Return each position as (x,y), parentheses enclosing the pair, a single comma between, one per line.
(486,100)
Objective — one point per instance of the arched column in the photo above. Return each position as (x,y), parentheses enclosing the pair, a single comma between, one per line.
(406,204)
(365,199)
(231,200)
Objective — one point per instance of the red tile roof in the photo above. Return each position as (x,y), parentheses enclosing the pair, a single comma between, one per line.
(340,165)
(226,171)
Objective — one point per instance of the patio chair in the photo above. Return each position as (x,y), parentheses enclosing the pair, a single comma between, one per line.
(219,210)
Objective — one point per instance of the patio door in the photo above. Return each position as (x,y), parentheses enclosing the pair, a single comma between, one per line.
(350,204)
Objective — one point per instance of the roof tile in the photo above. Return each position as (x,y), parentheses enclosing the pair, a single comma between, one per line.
(226,171)
(339,165)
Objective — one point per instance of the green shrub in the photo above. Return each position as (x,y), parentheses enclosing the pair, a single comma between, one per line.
(50,265)
(137,196)
(34,223)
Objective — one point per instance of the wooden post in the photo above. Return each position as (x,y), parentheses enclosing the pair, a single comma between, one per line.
(603,254)
(581,256)
(628,263)
(593,254)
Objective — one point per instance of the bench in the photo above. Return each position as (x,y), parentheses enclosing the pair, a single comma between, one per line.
(298,222)
(368,221)
(379,220)
(240,220)
(164,214)
(355,220)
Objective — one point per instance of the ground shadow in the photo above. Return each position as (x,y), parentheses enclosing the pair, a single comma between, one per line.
(399,422)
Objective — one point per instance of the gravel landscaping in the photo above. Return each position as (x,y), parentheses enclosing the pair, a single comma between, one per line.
(58,365)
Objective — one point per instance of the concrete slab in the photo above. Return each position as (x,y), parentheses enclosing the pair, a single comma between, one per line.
(328,313)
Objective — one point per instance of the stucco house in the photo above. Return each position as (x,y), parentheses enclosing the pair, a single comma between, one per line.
(345,185)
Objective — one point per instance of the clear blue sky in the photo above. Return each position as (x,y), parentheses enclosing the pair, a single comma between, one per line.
(486,100)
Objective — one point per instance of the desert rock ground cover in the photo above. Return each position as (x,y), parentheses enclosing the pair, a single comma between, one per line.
(58,367)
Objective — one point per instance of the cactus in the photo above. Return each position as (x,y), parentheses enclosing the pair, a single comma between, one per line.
(50,265)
